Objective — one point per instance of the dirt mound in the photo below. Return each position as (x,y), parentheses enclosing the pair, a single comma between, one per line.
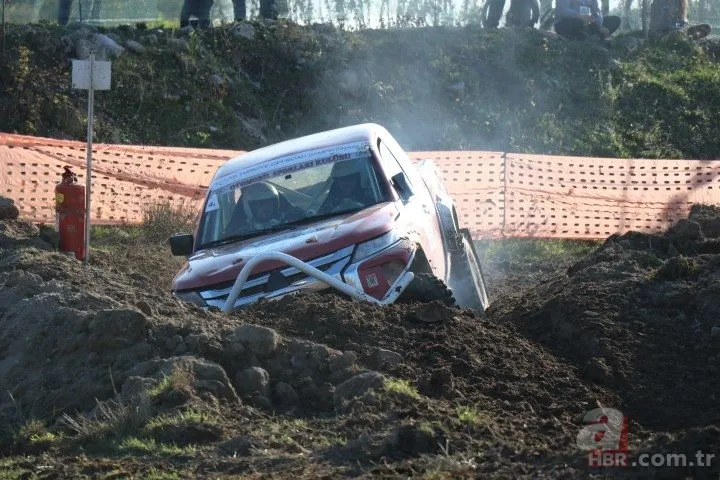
(640,316)
(107,361)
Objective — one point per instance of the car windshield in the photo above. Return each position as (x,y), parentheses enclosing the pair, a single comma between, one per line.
(302,195)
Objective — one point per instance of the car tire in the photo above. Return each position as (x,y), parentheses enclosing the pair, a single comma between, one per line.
(466,277)
(426,288)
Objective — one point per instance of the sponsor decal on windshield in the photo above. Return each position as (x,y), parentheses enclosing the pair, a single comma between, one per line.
(292,163)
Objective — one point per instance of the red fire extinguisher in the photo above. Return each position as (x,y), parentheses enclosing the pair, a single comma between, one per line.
(70,214)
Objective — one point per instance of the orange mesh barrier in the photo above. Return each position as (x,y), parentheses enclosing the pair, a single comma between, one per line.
(497,195)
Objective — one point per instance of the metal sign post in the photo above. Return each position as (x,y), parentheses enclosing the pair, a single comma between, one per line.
(90,75)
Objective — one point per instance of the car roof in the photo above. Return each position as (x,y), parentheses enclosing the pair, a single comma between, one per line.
(328,138)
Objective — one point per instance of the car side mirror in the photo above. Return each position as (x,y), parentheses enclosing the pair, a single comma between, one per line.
(182,244)
(402,186)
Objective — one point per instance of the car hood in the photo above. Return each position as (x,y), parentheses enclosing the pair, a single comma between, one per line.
(223,263)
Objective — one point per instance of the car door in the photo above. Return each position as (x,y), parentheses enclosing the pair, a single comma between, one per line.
(418,211)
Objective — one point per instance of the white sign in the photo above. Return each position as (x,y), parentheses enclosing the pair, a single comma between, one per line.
(81,75)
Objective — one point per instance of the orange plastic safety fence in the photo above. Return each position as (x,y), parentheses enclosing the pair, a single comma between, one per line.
(497,195)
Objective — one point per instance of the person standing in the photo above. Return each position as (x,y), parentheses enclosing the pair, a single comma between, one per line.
(63,12)
(200,9)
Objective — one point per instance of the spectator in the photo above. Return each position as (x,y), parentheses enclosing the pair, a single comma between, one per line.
(667,16)
(63,13)
(492,12)
(576,19)
(200,9)
(523,13)
(240,10)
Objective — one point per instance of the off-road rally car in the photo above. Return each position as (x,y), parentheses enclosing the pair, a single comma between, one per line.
(343,210)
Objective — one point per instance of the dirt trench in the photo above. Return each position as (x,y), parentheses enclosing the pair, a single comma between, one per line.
(327,386)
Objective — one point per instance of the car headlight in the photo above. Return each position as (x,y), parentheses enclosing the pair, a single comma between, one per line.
(191,297)
(365,249)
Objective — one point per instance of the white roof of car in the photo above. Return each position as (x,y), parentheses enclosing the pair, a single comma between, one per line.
(329,138)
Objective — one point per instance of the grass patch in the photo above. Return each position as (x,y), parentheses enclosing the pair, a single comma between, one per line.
(523,252)
(111,235)
(403,387)
(10,469)
(162,220)
(180,379)
(111,418)
(188,416)
(144,446)
(471,416)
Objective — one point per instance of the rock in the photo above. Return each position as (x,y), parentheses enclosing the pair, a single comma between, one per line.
(179,45)
(597,370)
(83,32)
(386,359)
(82,49)
(251,380)
(150,39)
(338,363)
(173,342)
(136,387)
(201,374)
(357,386)
(8,210)
(135,47)
(285,394)
(244,30)
(50,236)
(112,46)
(686,229)
(260,341)
(145,308)
(715,332)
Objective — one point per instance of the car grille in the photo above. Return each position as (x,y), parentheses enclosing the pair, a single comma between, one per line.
(289,278)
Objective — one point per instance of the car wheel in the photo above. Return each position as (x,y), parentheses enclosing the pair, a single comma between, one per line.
(427,288)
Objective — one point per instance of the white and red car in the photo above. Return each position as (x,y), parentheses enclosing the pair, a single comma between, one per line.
(343,209)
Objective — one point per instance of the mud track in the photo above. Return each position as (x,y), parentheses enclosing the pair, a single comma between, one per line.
(102,371)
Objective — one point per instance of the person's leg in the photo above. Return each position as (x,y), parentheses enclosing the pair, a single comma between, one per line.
(494,12)
(266,9)
(612,23)
(63,14)
(573,28)
(203,13)
(187,9)
(240,9)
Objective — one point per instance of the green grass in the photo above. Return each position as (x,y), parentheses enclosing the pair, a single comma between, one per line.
(144,446)
(471,416)
(524,252)
(187,416)
(402,387)
(11,470)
